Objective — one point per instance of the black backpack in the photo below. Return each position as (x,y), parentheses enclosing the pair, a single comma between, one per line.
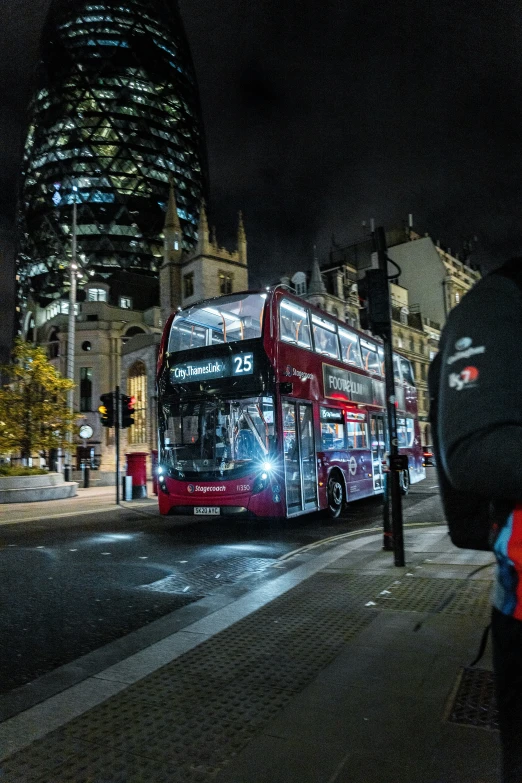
(473,521)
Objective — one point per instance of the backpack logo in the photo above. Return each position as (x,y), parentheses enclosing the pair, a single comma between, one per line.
(466,379)
(463,343)
(464,350)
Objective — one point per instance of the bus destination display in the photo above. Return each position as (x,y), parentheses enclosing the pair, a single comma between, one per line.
(230,366)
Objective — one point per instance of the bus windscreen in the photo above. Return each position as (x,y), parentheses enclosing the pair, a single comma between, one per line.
(217,438)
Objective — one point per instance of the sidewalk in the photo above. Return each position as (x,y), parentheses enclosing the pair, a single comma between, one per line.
(87,501)
(320,675)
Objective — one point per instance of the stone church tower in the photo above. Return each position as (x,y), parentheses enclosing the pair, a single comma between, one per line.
(208,270)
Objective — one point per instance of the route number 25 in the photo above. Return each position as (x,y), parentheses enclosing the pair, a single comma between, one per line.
(243,364)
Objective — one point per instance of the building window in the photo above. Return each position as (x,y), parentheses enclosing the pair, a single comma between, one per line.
(412,344)
(85,389)
(225,282)
(96,295)
(188,285)
(404,316)
(126,302)
(137,388)
(86,345)
(457,297)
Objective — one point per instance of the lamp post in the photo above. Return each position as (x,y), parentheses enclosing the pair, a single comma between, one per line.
(73,271)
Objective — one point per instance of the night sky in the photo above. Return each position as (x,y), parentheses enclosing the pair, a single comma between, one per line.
(320,114)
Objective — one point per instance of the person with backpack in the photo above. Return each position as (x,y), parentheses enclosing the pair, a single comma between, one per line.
(475,385)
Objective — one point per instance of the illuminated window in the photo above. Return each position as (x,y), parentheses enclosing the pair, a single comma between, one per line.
(96,295)
(188,285)
(225,282)
(126,302)
(85,389)
(137,388)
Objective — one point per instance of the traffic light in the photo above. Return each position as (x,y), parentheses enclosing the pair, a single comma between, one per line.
(378,298)
(127,410)
(107,409)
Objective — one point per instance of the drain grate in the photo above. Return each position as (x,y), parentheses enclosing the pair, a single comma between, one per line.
(474,703)
(204,579)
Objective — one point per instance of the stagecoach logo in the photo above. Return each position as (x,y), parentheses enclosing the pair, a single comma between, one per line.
(464,350)
(303,376)
(200,488)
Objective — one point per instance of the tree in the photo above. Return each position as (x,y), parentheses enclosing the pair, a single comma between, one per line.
(34,415)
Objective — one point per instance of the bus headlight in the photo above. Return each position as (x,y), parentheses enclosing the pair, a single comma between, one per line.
(260,483)
(162,485)
(267,467)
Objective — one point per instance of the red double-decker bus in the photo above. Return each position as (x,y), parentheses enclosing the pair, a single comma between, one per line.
(269,407)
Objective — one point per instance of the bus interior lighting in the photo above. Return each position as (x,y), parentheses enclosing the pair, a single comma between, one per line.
(293,309)
(321,322)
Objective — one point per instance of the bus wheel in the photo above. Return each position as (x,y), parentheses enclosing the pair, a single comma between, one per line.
(405,482)
(335,494)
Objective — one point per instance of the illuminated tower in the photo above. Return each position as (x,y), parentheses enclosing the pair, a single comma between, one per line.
(115,115)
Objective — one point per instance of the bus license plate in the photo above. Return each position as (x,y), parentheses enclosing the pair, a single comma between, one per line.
(211,510)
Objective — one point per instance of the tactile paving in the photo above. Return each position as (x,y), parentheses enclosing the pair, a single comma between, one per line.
(474,703)
(450,596)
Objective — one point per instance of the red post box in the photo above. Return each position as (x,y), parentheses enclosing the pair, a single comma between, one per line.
(137,468)
(154,466)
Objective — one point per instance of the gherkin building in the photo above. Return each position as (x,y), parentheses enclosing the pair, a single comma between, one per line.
(115,116)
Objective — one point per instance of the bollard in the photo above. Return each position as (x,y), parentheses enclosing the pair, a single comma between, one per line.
(86,476)
(126,487)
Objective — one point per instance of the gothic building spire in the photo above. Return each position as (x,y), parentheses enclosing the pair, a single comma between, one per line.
(202,228)
(316,285)
(241,240)
(172,217)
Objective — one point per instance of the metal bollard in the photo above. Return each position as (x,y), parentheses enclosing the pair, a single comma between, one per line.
(86,476)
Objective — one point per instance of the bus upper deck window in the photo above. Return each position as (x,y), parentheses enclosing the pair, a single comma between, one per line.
(350,349)
(325,337)
(294,326)
(186,335)
(369,356)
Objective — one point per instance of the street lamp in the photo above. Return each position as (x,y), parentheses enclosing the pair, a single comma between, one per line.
(73,271)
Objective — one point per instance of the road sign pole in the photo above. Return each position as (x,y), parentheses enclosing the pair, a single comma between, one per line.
(394,474)
(117,409)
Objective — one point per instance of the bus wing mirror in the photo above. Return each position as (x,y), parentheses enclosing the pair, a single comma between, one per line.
(286,387)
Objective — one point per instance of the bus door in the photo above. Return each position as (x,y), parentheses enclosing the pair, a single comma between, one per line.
(299,457)
(378,447)
(360,479)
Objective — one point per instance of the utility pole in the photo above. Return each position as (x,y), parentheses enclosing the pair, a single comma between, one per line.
(117,423)
(73,270)
(380,322)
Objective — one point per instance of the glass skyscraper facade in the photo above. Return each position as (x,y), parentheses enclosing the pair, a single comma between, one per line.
(115,115)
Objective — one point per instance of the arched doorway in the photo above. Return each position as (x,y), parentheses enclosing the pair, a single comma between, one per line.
(137,388)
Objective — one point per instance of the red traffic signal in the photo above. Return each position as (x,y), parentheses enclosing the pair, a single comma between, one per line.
(127,410)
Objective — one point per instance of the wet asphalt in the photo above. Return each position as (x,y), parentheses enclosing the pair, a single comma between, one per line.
(71,585)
